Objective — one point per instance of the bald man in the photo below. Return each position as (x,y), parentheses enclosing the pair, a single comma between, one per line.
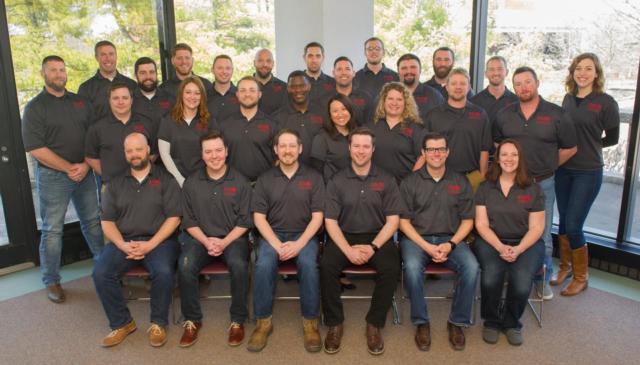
(274,90)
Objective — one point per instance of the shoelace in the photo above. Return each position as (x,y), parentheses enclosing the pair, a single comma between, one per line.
(234,325)
(155,329)
(189,325)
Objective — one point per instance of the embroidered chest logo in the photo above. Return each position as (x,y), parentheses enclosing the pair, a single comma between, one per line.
(154,183)
(376,186)
(594,107)
(328,87)
(164,104)
(453,189)
(387,78)
(305,185)
(139,128)
(543,119)
(316,119)
(421,99)
(201,127)
(524,199)
(229,191)
(277,88)
(78,104)
(407,132)
(358,101)
(474,115)
(234,100)
(263,127)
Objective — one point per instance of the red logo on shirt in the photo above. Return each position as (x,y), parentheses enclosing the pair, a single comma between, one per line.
(234,100)
(78,104)
(543,119)
(524,199)
(453,189)
(407,132)
(358,101)
(377,186)
(154,183)
(474,115)
(201,127)
(304,184)
(316,119)
(229,191)
(277,88)
(263,127)
(164,104)
(421,99)
(328,87)
(387,78)
(139,128)
(594,107)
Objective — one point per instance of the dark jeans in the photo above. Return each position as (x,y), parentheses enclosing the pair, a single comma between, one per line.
(521,274)
(113,264)
(194,257)
(576,190)
(387,264)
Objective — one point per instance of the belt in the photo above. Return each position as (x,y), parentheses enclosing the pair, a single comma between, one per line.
(537,179)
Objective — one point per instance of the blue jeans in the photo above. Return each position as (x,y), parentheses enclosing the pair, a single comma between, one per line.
(113,264)
(549,190)
(266,274)
(521,275)
(55,190)
(461,260)
(577,190)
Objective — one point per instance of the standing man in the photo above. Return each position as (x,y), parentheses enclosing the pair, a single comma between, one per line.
(274,90)
(362,102)
(148,99)
(223,102)
(548,138)
(443,60)
(54,125)
(425,96)
(96,88)
(362,214)
(439,216)
(287,211)
(374,74)
(466,127)
(322,85)
(182,61)
(216,220)
(496,95)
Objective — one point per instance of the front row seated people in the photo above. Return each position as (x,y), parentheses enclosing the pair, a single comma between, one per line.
(140,213)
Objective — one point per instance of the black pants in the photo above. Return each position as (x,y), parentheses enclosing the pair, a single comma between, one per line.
(387,264)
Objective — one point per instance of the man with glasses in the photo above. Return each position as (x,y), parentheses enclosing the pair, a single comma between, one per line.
(374,74)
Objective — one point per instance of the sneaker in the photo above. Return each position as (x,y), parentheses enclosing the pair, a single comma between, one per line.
(543,290)
(119,334)
(157,335)
(514,336)
(490,335)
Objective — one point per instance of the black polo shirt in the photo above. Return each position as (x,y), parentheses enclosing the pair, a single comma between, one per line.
(216,206)
(250,143)
(509,216)
(548,129)
(434,84)
(437,207)
(321,88)
(105,141)
(274,95)
(595,114)
(96,90)
(362,103)
(332,154)
(288,203)
(155,108)
(361,204)
(171,86)
(490,104)
(58,123)
(223,106)
(186,150)
(140,208)
(397,149)
(308,124)
(427,98)
(371,82)
(468,133)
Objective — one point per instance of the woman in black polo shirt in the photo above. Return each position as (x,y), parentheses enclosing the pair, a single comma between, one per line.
(578,181)
(510,221)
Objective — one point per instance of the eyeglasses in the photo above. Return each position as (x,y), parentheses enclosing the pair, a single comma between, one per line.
(436,149)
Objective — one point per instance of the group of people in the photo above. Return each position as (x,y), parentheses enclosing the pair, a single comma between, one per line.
(325,172)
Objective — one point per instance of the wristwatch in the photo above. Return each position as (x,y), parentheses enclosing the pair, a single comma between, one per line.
(453,245)
(375,248)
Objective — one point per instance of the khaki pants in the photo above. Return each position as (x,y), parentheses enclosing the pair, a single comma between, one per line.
(475,179)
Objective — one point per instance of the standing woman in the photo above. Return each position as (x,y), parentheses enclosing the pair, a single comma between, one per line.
(180,131)
(510,221)
(578,181)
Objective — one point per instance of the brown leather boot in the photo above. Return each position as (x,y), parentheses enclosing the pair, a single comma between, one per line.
(312,339)
(565,261)
(258,339)
(579,283)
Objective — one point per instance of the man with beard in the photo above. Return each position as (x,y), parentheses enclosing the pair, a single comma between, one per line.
(274,90)
(222,101)
(322,85)
(496,95)
(362,102)
(426,97)
(141,210)
(96,88)
(548,138)
(54,124)
(148,99)
(182,61)
(374,74)
(249,134)
(443,60)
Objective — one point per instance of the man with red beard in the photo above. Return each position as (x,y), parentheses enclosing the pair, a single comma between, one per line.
(443,60)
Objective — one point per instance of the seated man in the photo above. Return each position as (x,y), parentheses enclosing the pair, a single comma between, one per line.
(439,216)
(140,212)
(287,208)
(216,219)
(362,214)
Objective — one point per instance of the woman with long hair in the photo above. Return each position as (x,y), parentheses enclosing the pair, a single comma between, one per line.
(578,181)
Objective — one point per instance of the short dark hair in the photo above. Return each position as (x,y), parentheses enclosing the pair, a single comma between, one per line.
(143,61)
(328,125)
(51,58)
(453,54)
(407,57)
(523,69)
(249,78)
(102,44)
(213,135)
(119,85)
(374,39)
(432,136)
(294,132)
(363,131)
(222,57)
(180,47)
(342,58)
(313,44)
(296,73)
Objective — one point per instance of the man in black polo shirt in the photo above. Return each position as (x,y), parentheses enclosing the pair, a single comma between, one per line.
(148,99)
(426,97)
(141,209)
(322,85)
(362,214)
(439,216)
(362,102)
(222,102)
(274,90)
(216,219)
(249,134)
(548,138)
(54,124)
(300,113)
(466,127)
(103,144)
(374,74)
(443,60)
(496,95)
(182,61)
(96,88)
(287,208)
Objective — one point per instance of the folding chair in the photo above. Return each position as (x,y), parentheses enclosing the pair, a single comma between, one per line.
(140,272)
(536,299)
(368,270)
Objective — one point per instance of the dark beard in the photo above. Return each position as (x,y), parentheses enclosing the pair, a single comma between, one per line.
(148,89)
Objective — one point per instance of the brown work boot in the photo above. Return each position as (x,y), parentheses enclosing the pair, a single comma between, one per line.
(55,293)
(456,336)
(258,339)
(190,334)
(580,280)
(423,336)
(332,339)
(565,261)
(119,334)
(375,344)
(236,334)
(157,335)
(312,339)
